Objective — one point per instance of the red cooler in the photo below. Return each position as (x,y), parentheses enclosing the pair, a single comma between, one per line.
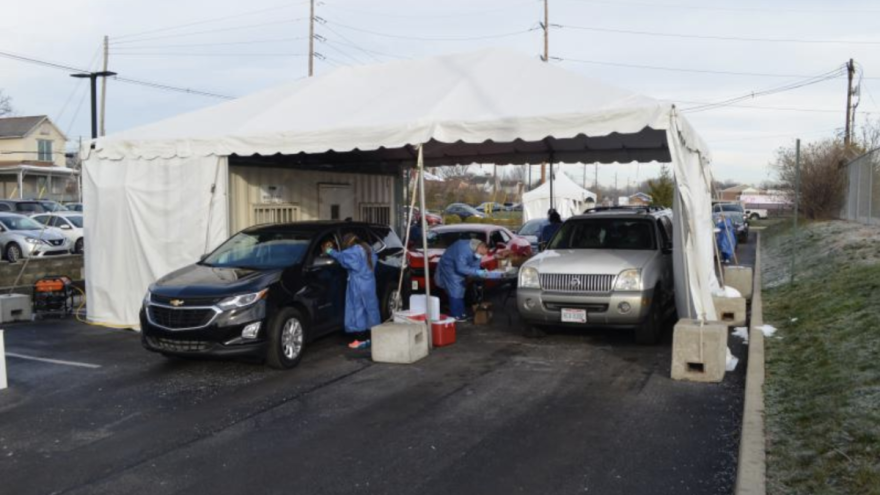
(443,331)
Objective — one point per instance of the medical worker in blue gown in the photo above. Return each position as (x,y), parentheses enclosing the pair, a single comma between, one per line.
(725,237)
(361,303)
(460,261)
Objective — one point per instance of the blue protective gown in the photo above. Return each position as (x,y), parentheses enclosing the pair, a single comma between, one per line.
(725,237)
(361,303)
(457,263)
(548,231)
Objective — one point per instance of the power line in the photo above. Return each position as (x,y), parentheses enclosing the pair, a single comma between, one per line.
(67,68)
(207,21)
(209,31)
(419,38)
(177,89)
(350,42)
(779,89)
(178,54)
(344,53)
(717,38)
(352,45)
(678,69)
(430,16)
(620,3)
(196,45)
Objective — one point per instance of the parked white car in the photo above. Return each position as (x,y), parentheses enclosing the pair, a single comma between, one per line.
(68,223)
(756,213)
(22,237)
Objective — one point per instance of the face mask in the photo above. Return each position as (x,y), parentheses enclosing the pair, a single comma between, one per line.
(478,256)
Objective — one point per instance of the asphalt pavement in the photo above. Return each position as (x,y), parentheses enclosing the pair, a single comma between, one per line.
(497,412)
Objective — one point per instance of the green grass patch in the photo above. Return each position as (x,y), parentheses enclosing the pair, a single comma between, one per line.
(822,388)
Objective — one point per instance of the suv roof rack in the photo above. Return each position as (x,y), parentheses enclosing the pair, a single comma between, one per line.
(642,209)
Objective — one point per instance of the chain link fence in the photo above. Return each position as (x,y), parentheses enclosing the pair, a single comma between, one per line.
(863,190)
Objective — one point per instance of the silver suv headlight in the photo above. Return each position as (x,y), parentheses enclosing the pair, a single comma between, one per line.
(629,280)
(242,300)
(528,278)
(33,240)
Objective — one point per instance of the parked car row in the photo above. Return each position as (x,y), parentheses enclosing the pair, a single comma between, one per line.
(34,206)
(269,290)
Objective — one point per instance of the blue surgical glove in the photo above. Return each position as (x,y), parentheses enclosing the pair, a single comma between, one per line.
(495,275)
(483,273)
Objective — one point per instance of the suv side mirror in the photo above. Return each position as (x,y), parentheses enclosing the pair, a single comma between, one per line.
(667,248)
(64,226)
(203,257)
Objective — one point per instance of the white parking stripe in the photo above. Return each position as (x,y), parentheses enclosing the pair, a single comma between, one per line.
(53,361)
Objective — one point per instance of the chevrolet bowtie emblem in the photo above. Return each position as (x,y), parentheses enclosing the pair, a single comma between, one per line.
(176,302)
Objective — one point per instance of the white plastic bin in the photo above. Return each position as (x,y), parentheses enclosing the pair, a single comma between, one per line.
(417,305)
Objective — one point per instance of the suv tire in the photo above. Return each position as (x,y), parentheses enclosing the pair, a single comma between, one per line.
(286,336)
(648,332)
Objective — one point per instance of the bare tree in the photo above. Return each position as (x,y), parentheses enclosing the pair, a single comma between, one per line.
(5,104)
(451,171)
(822,180)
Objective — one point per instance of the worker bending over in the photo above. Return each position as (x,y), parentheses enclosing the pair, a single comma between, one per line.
(459,261)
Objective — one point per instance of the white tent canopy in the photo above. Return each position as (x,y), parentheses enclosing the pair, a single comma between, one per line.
(161,189)
(568,198)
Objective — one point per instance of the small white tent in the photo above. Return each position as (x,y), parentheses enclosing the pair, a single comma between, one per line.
(568,198)
(159,194)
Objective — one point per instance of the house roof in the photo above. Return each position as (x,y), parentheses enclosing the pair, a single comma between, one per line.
(17,127)
(739,188)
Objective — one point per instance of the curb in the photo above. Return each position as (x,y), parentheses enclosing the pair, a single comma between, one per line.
(751,473)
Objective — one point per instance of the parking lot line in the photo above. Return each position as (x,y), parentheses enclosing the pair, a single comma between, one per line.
(53,361)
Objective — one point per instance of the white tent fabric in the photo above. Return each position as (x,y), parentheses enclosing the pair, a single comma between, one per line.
(488,106)
(568,198)
(150,217)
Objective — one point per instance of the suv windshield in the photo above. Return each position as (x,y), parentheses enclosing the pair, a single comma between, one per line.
(442,240)
(261,250)
(24,223)
(605,233)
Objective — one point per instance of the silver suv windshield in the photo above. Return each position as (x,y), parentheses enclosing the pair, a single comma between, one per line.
(605,233)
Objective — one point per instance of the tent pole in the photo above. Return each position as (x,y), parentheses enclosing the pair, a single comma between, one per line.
(424,215)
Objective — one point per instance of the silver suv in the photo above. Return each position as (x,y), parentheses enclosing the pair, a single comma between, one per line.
(611,267)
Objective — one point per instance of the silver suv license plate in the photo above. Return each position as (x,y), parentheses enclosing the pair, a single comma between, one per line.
(574,315)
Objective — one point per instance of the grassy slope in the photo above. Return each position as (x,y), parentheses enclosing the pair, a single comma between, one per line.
(823,371)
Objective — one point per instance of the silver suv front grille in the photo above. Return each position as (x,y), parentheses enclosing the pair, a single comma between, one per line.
(564,282)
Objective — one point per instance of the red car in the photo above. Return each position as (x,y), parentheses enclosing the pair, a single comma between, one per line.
(439,238)
(432,218)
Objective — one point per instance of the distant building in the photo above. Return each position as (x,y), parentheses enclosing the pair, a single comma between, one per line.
(32,160)
(640,199)
(733,193)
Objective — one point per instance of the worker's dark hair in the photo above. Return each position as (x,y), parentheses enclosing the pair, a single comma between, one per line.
(554,217)
(349,240)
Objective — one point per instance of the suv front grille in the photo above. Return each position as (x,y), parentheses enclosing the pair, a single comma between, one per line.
(185,301)
(178,318)
(565,282)
(179,345)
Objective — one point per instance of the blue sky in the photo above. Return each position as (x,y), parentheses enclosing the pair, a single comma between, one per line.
(235,48)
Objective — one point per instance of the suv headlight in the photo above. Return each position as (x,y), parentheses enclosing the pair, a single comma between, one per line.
(242,300)
(148,298)
(629,280)
(33,240)
(528,278)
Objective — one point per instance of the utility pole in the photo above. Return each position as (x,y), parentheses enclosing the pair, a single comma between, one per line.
(596,182)
(850,72)
(312,38)
(104,86)
(797,190)
(93,77)
(546,27)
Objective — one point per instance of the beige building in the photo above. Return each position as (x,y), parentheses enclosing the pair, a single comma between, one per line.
(32,160)
(31,139)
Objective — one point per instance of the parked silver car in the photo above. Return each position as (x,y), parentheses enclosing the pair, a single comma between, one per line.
(609,268)
(69,223)
(22,237)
